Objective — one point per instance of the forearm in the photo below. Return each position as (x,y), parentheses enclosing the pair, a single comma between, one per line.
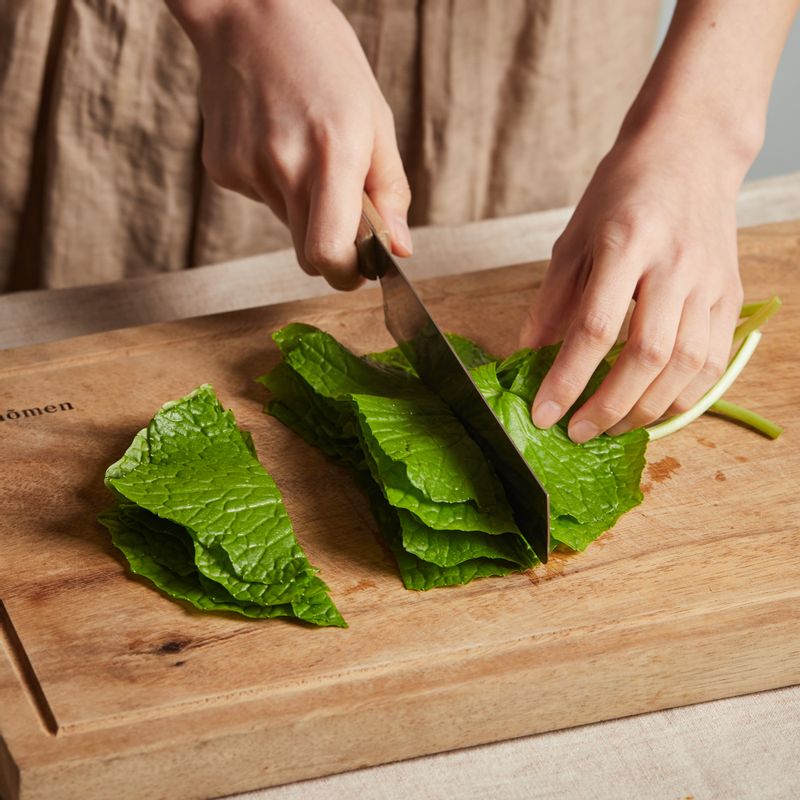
(202,20)
(194,15)
(711,80)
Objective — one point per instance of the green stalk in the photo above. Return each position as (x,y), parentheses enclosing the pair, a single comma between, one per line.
(730,410)
(613,353)
(748,309)
(760,314)
(737,364)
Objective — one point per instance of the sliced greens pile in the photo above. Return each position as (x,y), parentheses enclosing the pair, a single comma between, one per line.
(198,515)
(437,500)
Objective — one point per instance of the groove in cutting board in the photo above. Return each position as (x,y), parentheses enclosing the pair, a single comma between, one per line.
(25,672)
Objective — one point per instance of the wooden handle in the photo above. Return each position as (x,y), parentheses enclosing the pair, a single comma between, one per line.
(371,225)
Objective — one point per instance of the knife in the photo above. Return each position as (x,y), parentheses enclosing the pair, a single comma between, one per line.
(439,366)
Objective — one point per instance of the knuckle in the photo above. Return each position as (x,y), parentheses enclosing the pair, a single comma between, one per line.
(688,397)
(344,281)
(596,327)
(565,385)
(616,234)
(394,188)
(689,356)
(680,405)
(347,152)
(730,296)
(629,227)
(681,260)
(337,142)
(610,410)
(280,165)
(714,367)
(305,266)
(326,255)
(650,353)
(400,188)
(324,131)
(644,412)
(736,293)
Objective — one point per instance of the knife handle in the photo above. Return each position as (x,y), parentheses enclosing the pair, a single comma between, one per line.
(371,225)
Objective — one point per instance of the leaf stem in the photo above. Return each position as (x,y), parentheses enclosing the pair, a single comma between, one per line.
(613,353)
(727,409)
(748,309)
(760,314)
(737,364)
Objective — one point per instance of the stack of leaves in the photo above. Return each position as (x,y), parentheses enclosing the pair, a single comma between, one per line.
(198,515)
(436,498)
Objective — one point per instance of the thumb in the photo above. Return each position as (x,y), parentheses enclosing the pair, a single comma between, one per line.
(387,186)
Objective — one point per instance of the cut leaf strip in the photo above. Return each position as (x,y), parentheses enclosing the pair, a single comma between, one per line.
(442,509)
(199,516)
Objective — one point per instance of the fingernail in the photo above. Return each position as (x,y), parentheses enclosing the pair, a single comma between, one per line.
(582,431)
(401,237)
(619,428)
(546,414)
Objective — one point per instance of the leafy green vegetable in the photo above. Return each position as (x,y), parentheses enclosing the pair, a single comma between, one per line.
(437,500)
(198,515)
(590,485)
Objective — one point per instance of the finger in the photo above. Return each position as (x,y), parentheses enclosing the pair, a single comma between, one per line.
(387,186)
(297,218)
(592,332)
(551,311)
(653,329)
(223,170)
(724,316)
(686,361)
(249,193)
(334,214)
(272,198)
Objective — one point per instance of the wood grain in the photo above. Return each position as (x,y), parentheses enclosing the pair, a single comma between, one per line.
(106,683)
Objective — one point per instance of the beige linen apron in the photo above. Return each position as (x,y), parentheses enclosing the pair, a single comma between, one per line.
(502,107)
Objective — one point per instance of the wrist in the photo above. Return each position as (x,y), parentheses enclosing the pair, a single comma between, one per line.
(708,88)
(675,127)
(208,21)
(195,16)
(727,132)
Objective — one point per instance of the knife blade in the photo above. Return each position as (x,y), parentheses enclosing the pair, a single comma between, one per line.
(438,365)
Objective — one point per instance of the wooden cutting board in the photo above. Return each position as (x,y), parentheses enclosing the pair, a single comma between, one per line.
(108,688)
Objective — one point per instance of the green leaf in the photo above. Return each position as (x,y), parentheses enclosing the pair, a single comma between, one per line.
(200,517)
(140,537)
(437,500)
(590,485)
(471,354)
(447,548)
(417,573)
(433,450)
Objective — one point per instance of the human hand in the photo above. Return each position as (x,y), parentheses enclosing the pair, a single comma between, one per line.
(294,117)
(657,225)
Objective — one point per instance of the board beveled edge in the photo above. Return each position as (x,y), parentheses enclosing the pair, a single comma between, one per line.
(537,685)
